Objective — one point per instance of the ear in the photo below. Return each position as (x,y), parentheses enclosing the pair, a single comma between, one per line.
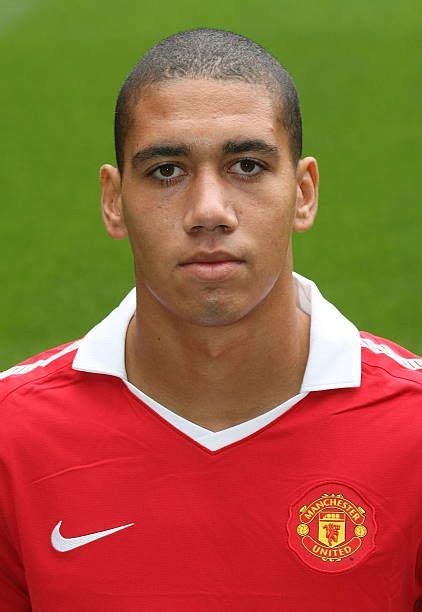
(111,202)
(307,178)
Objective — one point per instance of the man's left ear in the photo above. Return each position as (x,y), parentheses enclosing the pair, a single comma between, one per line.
(307,178)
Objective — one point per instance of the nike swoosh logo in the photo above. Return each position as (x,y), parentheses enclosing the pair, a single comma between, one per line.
(65,544)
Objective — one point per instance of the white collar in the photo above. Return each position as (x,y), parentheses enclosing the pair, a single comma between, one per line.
(334,359)
(333,362)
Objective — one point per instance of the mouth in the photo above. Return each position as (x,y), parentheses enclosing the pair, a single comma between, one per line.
(212,265)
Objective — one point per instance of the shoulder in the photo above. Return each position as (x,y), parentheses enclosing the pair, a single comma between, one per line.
(391,358)
(388,405)
(54,363)
(391,371)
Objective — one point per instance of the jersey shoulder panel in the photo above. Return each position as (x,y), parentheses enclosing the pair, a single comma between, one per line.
(37,367)
(391,359)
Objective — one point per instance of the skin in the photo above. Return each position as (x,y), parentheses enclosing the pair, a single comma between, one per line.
(223,348)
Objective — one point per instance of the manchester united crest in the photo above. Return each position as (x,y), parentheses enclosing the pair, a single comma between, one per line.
(332,527)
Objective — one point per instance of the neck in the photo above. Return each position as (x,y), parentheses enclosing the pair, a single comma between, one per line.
(220,376)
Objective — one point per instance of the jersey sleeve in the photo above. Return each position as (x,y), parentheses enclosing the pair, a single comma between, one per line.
(15,387)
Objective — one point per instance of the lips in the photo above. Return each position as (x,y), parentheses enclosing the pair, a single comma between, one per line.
(211,257)
(217,265)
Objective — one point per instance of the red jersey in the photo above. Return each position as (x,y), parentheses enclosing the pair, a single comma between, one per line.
(107,504)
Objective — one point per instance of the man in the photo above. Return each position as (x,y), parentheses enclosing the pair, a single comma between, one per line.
(225,439)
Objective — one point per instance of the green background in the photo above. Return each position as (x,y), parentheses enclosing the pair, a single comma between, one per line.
(358,70)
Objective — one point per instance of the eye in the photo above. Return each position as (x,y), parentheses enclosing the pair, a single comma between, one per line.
(167,172)
(246,167)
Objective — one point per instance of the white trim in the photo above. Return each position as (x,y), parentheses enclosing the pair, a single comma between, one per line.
(411,363)
(214,440)
(41,363)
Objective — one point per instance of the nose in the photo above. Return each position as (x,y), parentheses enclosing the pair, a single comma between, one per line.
(209,207)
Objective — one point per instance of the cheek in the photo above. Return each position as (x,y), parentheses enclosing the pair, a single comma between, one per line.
(270,227)
(269,219)
(145,218)
(154,223)
(146,236)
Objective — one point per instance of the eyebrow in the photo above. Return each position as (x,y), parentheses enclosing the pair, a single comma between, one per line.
(180,150)
(244,146)
(159,151)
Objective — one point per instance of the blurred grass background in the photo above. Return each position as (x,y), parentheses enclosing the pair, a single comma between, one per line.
(358,70)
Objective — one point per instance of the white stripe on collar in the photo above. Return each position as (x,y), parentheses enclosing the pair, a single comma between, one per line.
(334,360)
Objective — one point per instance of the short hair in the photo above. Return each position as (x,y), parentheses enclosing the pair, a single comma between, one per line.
(206,53)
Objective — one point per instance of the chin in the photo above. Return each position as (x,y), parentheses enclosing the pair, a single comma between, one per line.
(210,320)
(217,313)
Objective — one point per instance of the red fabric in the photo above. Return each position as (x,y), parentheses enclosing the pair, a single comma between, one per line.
(213,530)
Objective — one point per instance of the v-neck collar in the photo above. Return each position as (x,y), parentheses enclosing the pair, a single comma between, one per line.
(334,361)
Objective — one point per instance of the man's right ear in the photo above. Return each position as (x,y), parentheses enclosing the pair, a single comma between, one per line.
(111,202)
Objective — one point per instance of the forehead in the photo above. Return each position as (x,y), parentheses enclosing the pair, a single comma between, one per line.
(203,111)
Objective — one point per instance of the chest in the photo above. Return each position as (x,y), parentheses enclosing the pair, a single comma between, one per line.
(149,520)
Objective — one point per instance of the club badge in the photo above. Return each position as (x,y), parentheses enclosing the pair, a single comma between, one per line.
(332,527)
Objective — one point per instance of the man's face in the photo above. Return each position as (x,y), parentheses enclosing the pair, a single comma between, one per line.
(209,198)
